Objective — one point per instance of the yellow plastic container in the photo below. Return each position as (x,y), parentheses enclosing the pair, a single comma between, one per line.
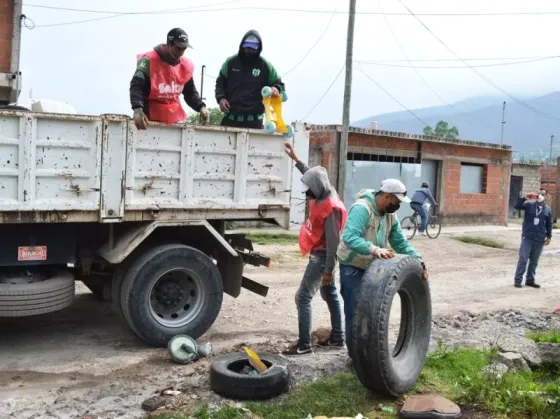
(255,361)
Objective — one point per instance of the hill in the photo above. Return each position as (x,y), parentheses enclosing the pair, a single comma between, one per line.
(480,120)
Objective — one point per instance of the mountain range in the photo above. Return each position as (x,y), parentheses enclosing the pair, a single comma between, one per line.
(480,119)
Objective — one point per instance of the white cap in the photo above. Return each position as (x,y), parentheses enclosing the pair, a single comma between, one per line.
(395,187)
(303,187)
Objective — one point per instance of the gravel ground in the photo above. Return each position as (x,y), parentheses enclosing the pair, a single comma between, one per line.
(82,362)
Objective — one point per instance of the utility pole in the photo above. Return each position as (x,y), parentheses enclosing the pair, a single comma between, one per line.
(503,122)
(550,155)
(343,149)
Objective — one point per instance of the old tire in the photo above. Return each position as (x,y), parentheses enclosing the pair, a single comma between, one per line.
(225,381)
(53,294)
(380,368)
(171,289)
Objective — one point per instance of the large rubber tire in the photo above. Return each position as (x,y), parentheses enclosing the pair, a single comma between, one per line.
(379,369)
(138,282)
(227,383)
(22,300)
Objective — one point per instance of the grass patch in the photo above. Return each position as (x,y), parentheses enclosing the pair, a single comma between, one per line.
(272,238)
(481,241)
(546,336)
(556,226)
(455,374)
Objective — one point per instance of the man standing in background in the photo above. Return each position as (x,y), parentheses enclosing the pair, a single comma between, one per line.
(536,233)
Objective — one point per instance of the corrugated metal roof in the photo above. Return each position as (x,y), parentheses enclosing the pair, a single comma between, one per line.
(407,136)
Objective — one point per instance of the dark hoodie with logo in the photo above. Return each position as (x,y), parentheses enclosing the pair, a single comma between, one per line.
(318,181)
(242,77)
(140,84)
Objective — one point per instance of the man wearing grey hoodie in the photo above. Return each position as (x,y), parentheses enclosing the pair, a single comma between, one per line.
(319,236)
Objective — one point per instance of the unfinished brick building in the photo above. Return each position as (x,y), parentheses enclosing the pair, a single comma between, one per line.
(470,180)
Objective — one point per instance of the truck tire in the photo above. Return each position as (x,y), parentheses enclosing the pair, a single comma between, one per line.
(53,294)
(382,369)
(171,289)
(227,381)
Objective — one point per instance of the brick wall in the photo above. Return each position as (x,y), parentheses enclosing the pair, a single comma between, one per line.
(489,207)
(548,181)
(531,177)
(6,33)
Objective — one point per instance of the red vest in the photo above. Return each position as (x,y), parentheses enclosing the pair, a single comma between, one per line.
(311,234)
(166,85)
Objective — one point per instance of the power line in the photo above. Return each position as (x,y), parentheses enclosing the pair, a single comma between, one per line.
(384,64)
(314,45)
(514,98)
(278,9)
(326,91)
(458,59)
(392,97)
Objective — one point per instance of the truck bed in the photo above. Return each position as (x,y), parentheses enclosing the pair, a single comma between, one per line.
(76,168)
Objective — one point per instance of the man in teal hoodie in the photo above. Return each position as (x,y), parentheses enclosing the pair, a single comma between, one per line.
(371,228)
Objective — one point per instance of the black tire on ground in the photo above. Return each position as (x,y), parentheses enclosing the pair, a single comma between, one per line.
(154,284)
(226,380)
(382,369)
(409,227)
(53,294)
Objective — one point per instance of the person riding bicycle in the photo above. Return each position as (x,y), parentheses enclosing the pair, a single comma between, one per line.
(417,204)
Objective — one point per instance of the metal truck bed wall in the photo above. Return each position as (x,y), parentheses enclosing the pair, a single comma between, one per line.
(61,168)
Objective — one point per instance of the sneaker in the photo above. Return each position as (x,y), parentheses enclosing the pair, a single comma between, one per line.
(532,285)
(518,285)
(423,233)
(330,342)
(297,349)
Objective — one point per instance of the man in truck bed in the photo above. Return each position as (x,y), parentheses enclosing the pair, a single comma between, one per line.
(161,76)
(238,87)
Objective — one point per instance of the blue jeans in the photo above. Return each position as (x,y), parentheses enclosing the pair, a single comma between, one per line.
(423,215)
(530,251)
(350,280)
(309,286)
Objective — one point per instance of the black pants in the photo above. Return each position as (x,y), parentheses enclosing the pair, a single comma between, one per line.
(234,123)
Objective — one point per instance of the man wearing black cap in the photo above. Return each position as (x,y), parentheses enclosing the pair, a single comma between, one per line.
(238,87)
(161,76)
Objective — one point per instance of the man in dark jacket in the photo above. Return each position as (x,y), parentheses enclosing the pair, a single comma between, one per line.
(417,204)
(161,75)
(536,233)
(239,85)
(320,237)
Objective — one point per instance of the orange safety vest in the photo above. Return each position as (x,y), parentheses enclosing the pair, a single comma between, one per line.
(311,234)
(166,84)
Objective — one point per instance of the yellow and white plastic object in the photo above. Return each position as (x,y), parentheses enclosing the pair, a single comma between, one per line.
(255,361)
(273,113)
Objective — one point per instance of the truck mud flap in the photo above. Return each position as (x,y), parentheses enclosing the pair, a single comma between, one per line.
(255,287)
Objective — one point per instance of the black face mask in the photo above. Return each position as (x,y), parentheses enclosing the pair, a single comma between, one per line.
(391,208)
(309,194)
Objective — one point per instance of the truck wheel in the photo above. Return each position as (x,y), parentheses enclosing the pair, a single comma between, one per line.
(22,296)
(382,369)
(171,289)
(228,380)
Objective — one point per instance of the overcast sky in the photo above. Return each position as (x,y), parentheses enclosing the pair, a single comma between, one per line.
(90,64)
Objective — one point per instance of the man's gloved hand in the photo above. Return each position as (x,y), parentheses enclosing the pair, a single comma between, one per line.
(425,273)
(275,91)
(384,253)
(204,115)
(326,279)
(224,105)
(140,119)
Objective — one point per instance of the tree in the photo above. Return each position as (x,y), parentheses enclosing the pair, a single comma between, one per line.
(215,117)
(442,130)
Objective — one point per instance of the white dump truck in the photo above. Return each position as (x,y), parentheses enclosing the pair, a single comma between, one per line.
(138,216)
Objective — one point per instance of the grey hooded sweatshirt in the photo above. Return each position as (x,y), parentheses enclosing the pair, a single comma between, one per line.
(318,181)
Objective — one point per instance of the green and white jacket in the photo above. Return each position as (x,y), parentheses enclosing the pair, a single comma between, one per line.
(366,230)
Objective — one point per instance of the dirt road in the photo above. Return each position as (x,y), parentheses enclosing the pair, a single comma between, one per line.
(81,362)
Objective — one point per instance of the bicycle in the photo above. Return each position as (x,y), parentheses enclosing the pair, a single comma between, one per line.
(411,223)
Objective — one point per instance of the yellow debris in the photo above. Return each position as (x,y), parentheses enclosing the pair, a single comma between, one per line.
(255,361)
